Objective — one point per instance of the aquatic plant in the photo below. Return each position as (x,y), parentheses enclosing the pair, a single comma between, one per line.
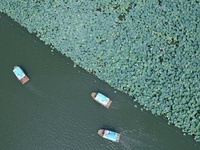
(148,49)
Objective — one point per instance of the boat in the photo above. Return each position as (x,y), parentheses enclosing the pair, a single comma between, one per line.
(102,99)
(20,74)
(110,135)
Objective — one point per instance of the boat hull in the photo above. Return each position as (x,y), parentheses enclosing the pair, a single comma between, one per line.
(94,94)
(25,77)
(102,133)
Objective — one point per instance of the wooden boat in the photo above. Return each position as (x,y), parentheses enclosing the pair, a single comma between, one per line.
(110,135)
(101,99)
(20,74)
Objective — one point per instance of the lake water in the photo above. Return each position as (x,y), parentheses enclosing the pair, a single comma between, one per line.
(54,110)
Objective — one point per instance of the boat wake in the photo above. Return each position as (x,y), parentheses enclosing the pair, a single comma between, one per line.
(130,143)
(37,92)
(121,105)
(117,105)
(126,145)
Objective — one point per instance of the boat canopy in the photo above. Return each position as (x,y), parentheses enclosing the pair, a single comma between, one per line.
(110,135)
(102,99)
(19,73)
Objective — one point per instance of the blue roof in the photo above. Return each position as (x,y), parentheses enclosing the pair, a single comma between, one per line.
(102,99)
(19,73)
(110,135)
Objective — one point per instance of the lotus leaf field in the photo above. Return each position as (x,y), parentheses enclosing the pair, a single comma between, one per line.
(148,49)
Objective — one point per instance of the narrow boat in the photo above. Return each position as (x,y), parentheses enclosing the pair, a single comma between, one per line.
(110,135)
(102,99)
(20,74)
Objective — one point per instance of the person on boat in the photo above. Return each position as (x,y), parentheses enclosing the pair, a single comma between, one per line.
(104,103)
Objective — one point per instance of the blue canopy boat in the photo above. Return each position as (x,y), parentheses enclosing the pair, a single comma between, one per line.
(102,99)
(110,135)
(20,74)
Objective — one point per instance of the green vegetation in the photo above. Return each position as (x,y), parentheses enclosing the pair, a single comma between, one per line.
(148,49)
